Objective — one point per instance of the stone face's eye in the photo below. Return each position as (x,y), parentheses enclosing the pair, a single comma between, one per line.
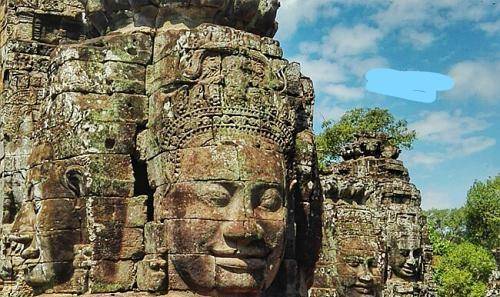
(352,262)
(217,195)
(371,262)
(271,200)
(405,253)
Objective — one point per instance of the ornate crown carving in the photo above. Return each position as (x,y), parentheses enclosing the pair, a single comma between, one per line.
(229,85)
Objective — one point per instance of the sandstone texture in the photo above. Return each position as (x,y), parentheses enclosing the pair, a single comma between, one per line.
(165,148)
(375,241)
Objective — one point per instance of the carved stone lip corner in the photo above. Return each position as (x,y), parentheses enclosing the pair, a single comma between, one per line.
(240,264)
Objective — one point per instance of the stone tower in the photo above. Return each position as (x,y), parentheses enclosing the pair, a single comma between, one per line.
(375,241)
(165,148)
(29,33)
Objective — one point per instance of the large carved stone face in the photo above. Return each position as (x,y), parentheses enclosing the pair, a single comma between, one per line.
(45,256)
(226,216)
(357,264)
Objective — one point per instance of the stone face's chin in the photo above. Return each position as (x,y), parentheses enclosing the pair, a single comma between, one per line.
(38,275)
(238,280)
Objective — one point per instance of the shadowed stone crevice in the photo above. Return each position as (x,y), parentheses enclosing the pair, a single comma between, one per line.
(142,186)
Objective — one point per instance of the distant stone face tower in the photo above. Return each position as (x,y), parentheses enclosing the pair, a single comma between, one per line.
(30,31)
(375,241)
(155,148)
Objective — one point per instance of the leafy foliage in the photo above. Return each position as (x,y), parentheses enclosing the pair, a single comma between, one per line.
(464,270)
(336,135)
(446,224)
(463,239)
(482,213)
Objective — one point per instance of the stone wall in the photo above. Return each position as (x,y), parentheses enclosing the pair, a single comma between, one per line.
(165,148)
(171,159)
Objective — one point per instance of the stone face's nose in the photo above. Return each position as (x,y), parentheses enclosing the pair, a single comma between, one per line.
(366,277)
(246,237)
(31,252)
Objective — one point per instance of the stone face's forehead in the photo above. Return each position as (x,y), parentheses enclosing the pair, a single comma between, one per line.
(229,162)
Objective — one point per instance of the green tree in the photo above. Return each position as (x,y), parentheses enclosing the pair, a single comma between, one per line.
(464,270)
(447,224)
(482,213)
(336,135)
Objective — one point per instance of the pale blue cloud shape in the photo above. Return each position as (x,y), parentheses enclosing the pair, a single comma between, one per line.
(411,85)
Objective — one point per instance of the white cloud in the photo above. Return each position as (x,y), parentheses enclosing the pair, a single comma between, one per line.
(342,41)
(327,110)
(490,27)
(426,159)
(294,12)
(432,198)
(321,70)
(454,134)
(344,93)
(475,79)
(419,40)
(448,128)
(438,14)
(338,63)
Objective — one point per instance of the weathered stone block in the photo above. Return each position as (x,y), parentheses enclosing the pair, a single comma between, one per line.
(114,242)
(108,276)
(155,238)
(58,214)
(112,176)
(152,274)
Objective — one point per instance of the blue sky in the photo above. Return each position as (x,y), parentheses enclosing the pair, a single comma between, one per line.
(338,41)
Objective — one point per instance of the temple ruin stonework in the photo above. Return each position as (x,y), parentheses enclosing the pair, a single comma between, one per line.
(165,148)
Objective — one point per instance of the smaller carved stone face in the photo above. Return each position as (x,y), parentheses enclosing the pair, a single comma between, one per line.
(405,259)
(357,264)
(406,262)
(44,232)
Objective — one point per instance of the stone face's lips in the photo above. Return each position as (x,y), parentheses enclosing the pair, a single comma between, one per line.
(246,253)
(365,290)
(408,271)
(241,264)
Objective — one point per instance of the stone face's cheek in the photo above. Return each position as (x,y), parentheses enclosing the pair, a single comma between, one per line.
(196,272)
(190,236)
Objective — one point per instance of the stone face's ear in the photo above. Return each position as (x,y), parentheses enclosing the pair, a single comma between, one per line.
(74,180)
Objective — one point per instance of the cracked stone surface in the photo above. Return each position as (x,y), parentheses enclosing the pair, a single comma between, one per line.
(165,148)
(375,241)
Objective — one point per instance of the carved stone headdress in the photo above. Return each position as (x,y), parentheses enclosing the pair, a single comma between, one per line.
(223,85)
